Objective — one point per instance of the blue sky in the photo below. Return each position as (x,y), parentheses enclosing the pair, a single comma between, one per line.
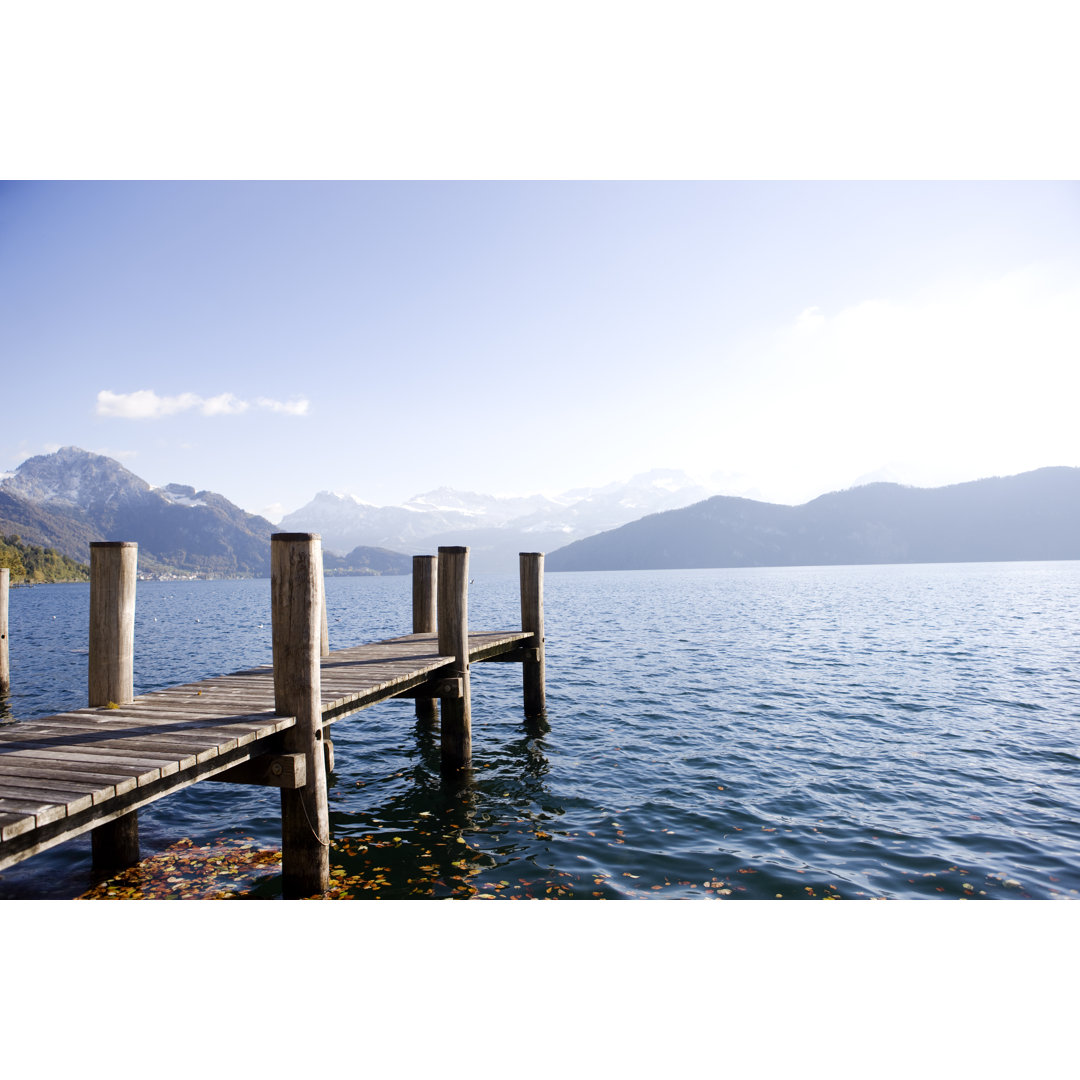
(267,340)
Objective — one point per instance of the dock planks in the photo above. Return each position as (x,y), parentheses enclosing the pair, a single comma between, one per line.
(63,775)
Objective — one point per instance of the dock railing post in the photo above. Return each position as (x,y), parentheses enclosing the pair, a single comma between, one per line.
(111,674)
(531,567)
(453,623)
(425,572)
(295,606)
(5,669)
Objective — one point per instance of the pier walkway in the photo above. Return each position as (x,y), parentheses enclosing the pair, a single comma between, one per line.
(63,775)
(92,769)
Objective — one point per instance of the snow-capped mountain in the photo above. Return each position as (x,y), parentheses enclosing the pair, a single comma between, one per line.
(67,499)
(495,527)
(73,478)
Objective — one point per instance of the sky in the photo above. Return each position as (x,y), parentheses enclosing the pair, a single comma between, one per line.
(268,340)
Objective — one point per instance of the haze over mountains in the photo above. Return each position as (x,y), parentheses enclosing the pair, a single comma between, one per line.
(67,499)
(1035,515)
(495,528)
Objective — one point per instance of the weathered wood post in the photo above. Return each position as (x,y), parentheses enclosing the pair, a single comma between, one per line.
(425,572)
(5,670)
(324,637)
(295,609)
(324,650)
(453,621)
(111,674)
(531,568)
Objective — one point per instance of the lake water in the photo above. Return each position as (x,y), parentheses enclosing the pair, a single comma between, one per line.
(810,732)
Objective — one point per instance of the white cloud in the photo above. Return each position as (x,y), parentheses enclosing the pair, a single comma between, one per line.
(223,405)
(146,405)
(298,407)
(143,404)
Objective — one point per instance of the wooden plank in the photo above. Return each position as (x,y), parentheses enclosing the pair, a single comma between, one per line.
(34,813)
(133,716)
(144,770)
(71,796)
(208,729)
(15,823)
(135,752)
(74,733)
(119,778)
(99,786)
(44,836)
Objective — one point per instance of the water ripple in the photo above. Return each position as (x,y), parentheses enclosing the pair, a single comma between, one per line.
(807,733)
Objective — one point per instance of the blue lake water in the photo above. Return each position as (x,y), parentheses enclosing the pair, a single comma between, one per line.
(809,732)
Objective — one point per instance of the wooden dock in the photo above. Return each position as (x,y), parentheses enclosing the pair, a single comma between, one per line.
(94,768)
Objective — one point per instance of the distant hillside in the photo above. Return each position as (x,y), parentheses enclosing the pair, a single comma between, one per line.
(31,563)
(1035,515)
(367,561)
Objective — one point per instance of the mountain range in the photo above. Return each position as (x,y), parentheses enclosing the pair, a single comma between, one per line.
(495,528)
(1031,516)
(67,499)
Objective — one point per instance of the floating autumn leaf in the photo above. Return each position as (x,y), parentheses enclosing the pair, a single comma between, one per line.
(185,871)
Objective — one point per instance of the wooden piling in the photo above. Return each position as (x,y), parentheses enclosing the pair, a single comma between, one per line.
(425,572)
(112,622)
(325,633)
(296,607)
(531,569)
(111,674)
(452,616)
(5,670)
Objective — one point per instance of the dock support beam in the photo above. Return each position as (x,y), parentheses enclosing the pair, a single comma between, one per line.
(296,605)
(531,567)
(425,573)
(453,622)
(5,669)
(111,675)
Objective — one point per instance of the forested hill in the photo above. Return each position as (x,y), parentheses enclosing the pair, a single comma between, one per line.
(1034,515)
(31,563)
